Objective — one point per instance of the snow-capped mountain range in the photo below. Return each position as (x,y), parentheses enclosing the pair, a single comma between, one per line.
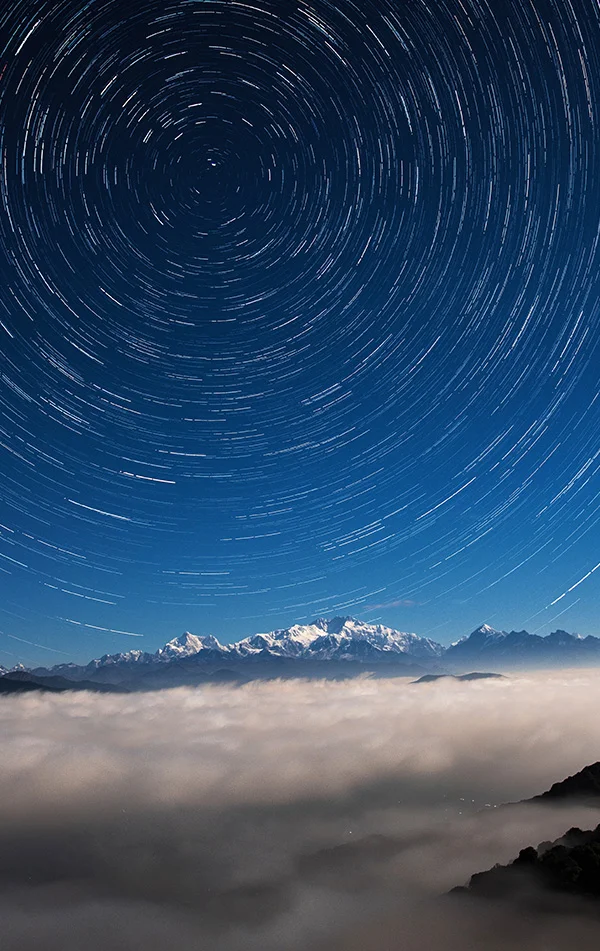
(326,646)
(335,639)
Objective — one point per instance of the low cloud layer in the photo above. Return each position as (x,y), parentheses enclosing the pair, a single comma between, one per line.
(285,815)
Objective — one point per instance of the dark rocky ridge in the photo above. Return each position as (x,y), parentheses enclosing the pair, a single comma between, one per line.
(583,786)
(570,864)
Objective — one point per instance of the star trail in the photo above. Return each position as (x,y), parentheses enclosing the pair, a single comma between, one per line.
(298,315)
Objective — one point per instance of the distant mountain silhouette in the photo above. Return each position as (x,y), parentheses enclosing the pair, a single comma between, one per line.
(9,687)
(53,683)
(514,649)
(475,675)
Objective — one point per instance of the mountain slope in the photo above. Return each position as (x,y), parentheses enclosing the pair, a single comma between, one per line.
(584,785)
(521,649)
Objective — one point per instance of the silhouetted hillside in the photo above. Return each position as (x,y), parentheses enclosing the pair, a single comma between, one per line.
(54,683)
(570,864)
(10,687)
(583,785)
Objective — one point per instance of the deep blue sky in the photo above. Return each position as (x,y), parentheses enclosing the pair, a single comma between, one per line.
(299,317)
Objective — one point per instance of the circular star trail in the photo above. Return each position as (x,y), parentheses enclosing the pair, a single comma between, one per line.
(299,315)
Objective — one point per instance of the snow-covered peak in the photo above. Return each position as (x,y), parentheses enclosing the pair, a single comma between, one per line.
(187,645)
(385,638)
(283,643)
(480,639)
(334,625)
(484,630)
(128,657)
(302,635)
(184,646)
(323,638)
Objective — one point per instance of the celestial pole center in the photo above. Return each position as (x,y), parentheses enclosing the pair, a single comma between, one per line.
(299,317)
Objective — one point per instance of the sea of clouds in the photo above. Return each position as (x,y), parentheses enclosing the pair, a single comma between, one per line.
(285,816)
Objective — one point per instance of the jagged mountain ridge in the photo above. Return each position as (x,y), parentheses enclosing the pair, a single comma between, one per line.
(337,639)
(519,648)
(344,642)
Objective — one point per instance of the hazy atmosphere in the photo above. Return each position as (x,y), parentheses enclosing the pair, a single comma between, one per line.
(286,815)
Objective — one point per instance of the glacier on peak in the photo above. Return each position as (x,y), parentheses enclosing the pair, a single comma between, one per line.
(186,645)
(323,639)
(336,638)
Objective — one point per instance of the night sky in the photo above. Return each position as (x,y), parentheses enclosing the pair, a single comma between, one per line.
(299,317)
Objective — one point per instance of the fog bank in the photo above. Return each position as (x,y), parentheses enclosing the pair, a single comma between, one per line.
(284,815)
